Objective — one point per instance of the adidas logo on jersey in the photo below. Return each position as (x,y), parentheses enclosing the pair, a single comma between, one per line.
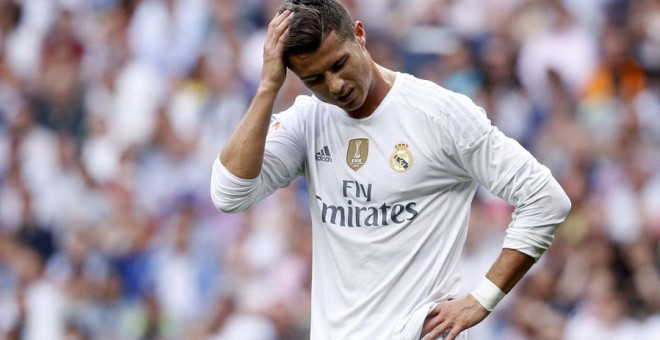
(324,155)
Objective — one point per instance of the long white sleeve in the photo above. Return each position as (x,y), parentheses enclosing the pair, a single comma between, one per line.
(230,193)
(509,171)
(233,194)
(541,205)
(284,157)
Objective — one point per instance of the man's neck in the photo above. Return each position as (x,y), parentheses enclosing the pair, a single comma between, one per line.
(383,80)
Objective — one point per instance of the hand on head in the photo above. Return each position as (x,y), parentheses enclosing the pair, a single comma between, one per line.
(273,72)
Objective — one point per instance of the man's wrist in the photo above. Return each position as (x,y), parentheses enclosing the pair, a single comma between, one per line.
(271,87)
(488,294)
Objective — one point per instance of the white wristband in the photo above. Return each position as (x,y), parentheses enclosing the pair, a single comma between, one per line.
(488,294)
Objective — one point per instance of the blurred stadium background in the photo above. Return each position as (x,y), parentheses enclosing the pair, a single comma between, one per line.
(112,112)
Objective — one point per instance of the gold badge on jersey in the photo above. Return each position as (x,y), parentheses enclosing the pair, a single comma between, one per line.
(356,155)
(401,159)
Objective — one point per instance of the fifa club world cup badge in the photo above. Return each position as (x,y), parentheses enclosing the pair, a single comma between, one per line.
(356,155)
(401,159)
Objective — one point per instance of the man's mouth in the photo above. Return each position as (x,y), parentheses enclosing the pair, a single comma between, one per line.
(345,98)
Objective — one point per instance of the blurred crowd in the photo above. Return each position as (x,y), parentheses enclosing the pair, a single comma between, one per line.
(112,112)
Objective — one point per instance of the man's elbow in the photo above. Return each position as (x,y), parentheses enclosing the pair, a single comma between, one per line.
(226,204)
(228,194)
(227,207)
(561,204)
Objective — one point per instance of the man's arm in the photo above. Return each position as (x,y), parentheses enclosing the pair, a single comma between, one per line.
(243,154)
(509,171)
(247,170)
(545,203)
(533,204)
(509,268)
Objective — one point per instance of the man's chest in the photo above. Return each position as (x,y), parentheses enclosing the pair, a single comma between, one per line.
(376,163)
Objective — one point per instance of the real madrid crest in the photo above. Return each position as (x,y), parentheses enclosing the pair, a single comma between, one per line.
(401,158)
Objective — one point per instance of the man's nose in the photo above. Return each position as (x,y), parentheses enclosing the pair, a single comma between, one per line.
(335,84)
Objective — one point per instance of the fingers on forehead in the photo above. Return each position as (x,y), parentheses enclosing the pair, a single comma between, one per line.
(280,17)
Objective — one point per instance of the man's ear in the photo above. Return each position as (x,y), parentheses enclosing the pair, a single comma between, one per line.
(360,35)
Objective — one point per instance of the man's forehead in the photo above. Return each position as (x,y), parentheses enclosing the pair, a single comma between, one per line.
(324,57)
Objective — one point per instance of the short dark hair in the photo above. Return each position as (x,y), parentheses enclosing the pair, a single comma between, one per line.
(313,21)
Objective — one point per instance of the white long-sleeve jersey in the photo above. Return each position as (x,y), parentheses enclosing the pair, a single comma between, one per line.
(390,199)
